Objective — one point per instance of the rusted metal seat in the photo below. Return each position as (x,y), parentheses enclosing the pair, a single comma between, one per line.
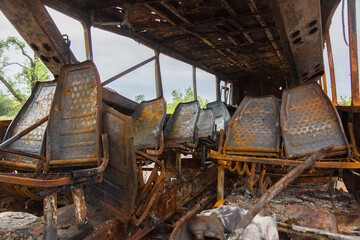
(73,144)
(149,118)
(35,108)
(181,133)
(206,134)
(222,115)
(255,128)
(309,122)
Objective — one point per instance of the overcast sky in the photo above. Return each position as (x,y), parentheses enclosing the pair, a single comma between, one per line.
(113,54)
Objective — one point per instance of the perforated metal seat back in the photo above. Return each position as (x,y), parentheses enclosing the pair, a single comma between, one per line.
(222,115)
(309,121)
(149,119)
(206,123)
(74,129)
(35,108)
(181,126)
(255,126)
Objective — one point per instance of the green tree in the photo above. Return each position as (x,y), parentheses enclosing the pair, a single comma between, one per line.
(188,96)
(29,70)
(139,98)
(345,100)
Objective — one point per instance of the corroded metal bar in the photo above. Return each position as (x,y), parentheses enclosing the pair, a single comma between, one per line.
(331,68)
(158,82)
(22,153)
(79,205)
(220,184)
(324,83)
(218,91)
(88,41)
(194,81)
(127,71)
(354,67)
(23,132)
(50,216)
(276,189)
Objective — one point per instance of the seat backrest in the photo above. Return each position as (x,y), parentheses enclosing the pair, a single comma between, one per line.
(149,118)
(35,108)
(181,126)
(222,115)
(206,124)
(74,130)
(309,122)
(255,127)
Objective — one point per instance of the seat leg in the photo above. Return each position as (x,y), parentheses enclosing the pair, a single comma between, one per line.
(220,186)
(80,206)
(50,216)
(178,165)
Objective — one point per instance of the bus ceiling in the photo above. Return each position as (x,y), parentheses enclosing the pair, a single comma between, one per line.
(269,44)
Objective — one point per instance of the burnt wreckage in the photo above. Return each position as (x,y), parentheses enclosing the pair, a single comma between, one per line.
(75,135)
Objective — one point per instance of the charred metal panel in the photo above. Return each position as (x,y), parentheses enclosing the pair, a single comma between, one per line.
(118,102)
(149,120)
(301,31)
(222,115)
(181,126)
(35,108)
(117,191)
(206,124)
(309,121)
(33,22)
(75,121)
(255,126)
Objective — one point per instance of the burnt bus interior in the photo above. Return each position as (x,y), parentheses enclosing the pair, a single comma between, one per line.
(143,165)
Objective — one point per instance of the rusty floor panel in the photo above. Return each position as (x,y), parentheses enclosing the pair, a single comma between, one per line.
(149,119)
(36,107)
(255,126)
(75,121)
(309,121)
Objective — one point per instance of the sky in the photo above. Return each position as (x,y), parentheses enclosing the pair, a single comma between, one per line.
(114,54)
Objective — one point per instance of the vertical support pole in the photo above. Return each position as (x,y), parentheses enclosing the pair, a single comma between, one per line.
(353,53)
(218,92)
(231,94)
(79,205)
(178,165)
(331,68)
(194,82)
(325,87)
(50,216)
(225,92)
(158,82)
(320,83)
(220,185)
(88,42)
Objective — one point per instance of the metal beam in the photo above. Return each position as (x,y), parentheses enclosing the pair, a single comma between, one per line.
(218,91)
(331,68)
(194,81)
(354,67)
(158,82)
(127,71)
(88,42)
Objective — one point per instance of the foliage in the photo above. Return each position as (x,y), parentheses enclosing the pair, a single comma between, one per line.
(8,106)
(345,100)
(139,98)
(28,70)
(179,96)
